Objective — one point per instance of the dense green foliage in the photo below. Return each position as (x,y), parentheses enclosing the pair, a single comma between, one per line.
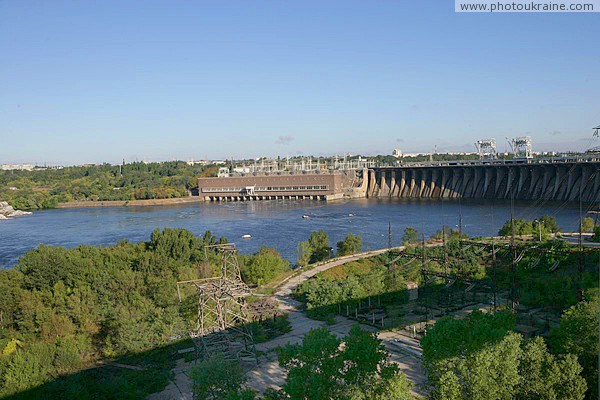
(69,308)
(267,329)
(351,281)
(218,379)
(543,226)
(578,335)
(351,244)
(319,246)
(587,224)
(447,233)
(63,310)
(304,253)
(45,188)
(480,357)
(596,237)
(263,266)
(542,285)
(315,249)
(411,236)
(319,368)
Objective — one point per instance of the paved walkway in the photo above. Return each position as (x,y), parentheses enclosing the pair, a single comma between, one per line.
(403,350)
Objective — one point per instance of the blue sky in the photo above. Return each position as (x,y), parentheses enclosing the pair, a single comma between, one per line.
(156,80)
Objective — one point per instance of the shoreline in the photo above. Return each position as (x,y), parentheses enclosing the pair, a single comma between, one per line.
(131,203)
(148,202)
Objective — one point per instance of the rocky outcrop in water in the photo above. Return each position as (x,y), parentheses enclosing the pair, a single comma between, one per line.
(6,211)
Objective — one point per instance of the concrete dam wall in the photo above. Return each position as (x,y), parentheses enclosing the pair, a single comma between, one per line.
(552,181)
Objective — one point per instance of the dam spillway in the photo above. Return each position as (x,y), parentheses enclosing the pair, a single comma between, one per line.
(553,180)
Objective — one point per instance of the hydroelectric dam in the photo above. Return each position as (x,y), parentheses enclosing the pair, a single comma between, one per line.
(556,179)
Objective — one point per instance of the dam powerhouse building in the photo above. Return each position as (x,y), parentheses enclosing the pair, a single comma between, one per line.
(552,179)
(278,186)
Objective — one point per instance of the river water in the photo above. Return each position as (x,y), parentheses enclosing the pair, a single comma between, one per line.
(278,224)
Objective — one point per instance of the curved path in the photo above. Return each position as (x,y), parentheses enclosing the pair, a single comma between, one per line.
(403,350)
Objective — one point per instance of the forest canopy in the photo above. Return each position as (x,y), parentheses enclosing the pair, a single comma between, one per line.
(45,188)
(64,310)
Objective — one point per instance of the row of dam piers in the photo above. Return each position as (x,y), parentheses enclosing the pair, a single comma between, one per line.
(553,182)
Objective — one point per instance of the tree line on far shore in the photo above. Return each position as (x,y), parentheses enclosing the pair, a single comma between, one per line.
(45,188)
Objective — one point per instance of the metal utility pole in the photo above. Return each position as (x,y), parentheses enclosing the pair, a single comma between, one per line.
(390,236)
(445,250)
(423,251)
(514,251)
(580,261)
(460,227)
(494,269)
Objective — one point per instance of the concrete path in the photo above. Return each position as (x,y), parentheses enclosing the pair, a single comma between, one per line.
(268,374)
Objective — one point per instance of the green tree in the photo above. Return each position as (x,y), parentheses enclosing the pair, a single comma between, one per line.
(578,335)
(263,267)
(522,227)
(312,367)
(68,308)
(217,378)
(320,369)
(448,387)
(447,233)
(543,376)
(596,237)
(411,236)
(304,253)
(319,244)
(350,245)
(45,188)
(367,366)
(587,224)
(398,387)
(479,357)
(550,223)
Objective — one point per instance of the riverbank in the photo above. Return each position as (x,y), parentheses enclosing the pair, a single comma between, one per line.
(131,203)
(161,202)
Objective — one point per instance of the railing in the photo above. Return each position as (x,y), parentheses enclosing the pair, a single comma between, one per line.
(492,162)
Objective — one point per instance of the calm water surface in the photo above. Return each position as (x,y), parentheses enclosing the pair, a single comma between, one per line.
(278,224)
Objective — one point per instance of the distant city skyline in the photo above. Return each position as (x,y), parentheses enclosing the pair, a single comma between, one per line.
(101,82)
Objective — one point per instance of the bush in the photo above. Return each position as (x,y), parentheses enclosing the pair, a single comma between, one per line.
(350,245)
(263,266)
(411,236)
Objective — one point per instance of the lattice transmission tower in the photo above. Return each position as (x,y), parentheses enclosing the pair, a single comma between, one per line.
(223,317)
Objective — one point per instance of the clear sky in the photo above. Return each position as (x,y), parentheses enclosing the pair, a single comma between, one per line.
(84,81)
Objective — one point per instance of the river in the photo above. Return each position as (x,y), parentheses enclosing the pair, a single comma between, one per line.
(278,224)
